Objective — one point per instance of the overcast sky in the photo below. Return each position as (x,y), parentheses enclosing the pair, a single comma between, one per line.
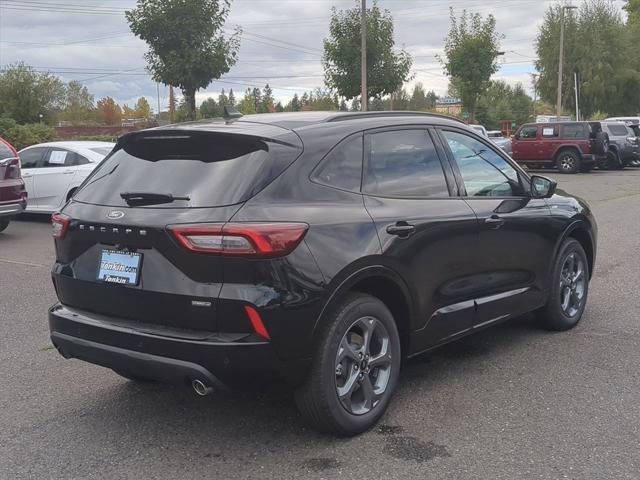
(89,40)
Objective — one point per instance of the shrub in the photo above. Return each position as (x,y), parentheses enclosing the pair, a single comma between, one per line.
(22,136)
(6,124)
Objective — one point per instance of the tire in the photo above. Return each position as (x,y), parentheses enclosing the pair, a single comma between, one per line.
(568,161)
(133,378)
(341,360)
(613,161)
(602,143)
(569,288)
(3,225)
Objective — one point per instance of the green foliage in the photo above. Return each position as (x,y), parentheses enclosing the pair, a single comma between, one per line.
(143,109)
(28,96)
(599,46)
(267,103)
(210,109)
(598,115)
(78,103)
(6,124)
(186,46)
(471,50)
(421,100)
(21,136)
(503,102)
(387,70)
(247,105)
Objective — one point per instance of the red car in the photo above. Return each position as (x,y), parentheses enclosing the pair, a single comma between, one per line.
(571,147)
(13,196)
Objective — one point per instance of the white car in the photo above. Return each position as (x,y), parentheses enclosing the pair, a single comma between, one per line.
(52,171)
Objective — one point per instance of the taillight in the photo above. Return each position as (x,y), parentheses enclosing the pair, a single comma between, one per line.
(256,240)
(60,224)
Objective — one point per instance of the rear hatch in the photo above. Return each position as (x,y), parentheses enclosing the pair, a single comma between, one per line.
(118,256)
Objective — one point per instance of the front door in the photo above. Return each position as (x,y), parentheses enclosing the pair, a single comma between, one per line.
(525,144)
(426,235)
(516,237)
(31,160)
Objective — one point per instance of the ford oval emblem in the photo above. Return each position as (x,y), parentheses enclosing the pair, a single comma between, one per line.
(115,214)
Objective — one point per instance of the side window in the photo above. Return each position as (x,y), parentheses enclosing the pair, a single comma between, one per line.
(31,158)
(58,158)
(484,172)
(5,151)
(574,131)
(528,133)
(342,168)
(404,163)
(550,131)
(74,159)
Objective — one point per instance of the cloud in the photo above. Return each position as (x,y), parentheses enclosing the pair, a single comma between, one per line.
(281,43)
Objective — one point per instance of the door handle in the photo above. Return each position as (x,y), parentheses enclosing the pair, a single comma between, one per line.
(494,221)
(68,172)
(26,175)
(401,229)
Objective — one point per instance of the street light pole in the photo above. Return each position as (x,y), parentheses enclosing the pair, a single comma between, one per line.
(363,70)
(560,61)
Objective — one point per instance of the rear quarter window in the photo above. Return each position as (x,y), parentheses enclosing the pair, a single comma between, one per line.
(618,130)
(574,131)
(211,169)
(342,167)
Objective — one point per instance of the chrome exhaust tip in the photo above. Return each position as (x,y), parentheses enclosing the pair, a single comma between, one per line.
(201,388)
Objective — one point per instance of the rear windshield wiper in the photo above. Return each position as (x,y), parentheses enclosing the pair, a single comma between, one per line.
(148,198)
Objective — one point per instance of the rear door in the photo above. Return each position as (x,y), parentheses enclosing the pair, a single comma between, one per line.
(52,180)
(550,141)
(515,244)
(31,160)
(427,235)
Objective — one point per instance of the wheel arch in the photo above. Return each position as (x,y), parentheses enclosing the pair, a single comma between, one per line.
(383,283)
(579,230)
(564,147)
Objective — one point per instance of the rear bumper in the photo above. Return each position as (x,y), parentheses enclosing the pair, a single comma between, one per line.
(167,354)
(11,209)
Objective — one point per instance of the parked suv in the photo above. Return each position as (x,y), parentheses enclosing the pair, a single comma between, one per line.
(13,196)
(320,248)
(624,146)
(571,147)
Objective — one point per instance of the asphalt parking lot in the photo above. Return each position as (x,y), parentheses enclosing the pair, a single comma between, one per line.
(511,402)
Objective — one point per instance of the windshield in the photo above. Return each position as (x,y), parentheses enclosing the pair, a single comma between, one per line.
(196,169)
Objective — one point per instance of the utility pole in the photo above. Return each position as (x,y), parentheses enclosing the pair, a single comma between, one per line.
(575,87)
(535,94)
(363,70)
(560,61)
(172,105)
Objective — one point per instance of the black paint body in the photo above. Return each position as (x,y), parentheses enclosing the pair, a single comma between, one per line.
(455,274)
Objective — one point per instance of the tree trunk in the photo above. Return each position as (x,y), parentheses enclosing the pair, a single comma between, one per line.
(190,100)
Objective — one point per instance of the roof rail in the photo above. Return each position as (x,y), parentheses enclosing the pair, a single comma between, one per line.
(389,113)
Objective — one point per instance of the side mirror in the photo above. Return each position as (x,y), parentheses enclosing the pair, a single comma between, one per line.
(542,187)
(517,137)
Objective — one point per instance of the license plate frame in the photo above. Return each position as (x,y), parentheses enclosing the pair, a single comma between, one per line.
(119,267)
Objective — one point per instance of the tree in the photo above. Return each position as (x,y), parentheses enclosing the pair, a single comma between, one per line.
(471,52)
(143,109)
(210,109)
(186,46)
(28,96)
(78,103)
(387,69)
(597,47)
(343,106)
(128,112)
(500,102)
(232,98)
(247,105)
(279,107)
(267,100)
(109,111)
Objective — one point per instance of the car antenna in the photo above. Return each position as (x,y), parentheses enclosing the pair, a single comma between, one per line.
(231,114)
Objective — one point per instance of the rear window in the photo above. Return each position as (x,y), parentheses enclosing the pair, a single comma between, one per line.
(104,151)
(618,130)
(211,169)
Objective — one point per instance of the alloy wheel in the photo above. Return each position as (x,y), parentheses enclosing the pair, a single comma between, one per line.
(567,162)
(572,284)
(363,365)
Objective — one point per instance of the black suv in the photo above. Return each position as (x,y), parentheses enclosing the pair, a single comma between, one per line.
(319,248)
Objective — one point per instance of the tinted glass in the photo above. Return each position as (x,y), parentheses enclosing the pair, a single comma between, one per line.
(5,151)
(574,131)
(528,133)
(30,158)
(618,130)
(484,172)
(342,168)
(212,169)
(404,163)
